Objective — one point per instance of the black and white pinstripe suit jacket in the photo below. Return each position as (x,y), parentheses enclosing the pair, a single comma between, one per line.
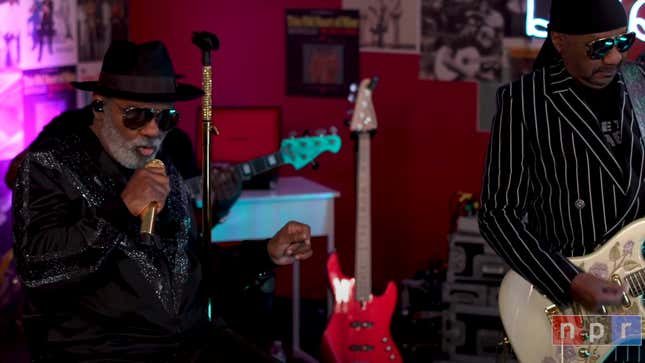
(552,188)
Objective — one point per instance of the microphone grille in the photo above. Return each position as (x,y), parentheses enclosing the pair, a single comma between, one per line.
(155,163)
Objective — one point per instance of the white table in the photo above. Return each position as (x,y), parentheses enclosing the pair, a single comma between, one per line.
(259,214)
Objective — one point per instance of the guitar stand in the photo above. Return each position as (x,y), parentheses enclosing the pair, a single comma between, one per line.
(504,351)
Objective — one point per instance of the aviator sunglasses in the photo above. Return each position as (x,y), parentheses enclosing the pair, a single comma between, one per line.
(135,118)
(599,48)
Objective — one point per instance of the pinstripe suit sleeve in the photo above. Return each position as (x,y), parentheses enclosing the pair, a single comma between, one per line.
(505,193)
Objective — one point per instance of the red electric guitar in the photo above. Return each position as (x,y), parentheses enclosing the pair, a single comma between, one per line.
(359,329)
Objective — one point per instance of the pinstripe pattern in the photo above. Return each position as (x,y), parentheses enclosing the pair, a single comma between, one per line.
(552,188)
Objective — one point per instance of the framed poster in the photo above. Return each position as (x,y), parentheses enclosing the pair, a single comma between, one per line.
(388,25)
(99,23)
(10,12)
(47,93)
(322,52)
(462,41)
(48,36)
(11,110)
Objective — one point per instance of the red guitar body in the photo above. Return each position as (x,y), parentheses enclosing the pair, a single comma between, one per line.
(357,332)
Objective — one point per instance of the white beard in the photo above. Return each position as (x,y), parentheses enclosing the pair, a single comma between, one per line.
(125,151)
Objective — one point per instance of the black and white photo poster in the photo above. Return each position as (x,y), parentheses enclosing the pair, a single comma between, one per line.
(462,40)
(388,25)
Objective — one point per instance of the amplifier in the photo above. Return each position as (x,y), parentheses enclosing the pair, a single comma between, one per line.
(246,133)
(471,260)
(472,330)
(471,294)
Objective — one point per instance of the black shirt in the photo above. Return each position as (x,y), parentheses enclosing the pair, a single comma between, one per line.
(606,106)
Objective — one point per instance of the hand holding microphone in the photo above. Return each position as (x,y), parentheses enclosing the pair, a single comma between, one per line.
(146,192)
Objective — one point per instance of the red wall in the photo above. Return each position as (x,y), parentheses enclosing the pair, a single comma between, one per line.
(426,148)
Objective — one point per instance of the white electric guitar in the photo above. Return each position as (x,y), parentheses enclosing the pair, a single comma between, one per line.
(527,314)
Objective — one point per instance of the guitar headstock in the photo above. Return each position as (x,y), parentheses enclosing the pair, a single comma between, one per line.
(363,116)
(300,151)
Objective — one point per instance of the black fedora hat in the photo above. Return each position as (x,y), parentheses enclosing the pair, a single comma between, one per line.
(139,72)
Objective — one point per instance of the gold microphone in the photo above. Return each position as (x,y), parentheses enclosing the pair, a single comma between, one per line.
(150,212)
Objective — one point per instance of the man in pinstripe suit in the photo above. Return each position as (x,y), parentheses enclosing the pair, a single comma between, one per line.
(564,169)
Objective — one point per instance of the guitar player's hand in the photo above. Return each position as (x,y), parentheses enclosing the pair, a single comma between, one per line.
(592,291)
(291,243)
(226,187)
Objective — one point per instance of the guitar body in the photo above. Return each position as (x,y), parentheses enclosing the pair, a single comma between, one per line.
(345,330)
(523,308)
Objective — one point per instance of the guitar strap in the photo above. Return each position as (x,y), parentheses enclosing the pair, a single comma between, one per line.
(635,84)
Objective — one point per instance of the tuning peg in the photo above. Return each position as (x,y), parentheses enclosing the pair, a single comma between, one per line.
(321,132)
(293,134)
(333,130)
(315,165)
(373,82)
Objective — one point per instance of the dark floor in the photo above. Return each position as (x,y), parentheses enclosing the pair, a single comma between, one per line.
(13,348)
(275,326)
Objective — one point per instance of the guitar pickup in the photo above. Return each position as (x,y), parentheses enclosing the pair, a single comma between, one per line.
(626,301)
(361,348)
(361,324)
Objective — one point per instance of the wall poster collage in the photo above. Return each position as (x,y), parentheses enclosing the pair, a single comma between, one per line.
(44,45)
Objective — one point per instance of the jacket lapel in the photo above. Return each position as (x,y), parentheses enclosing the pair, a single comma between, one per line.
(573,110)
(633,142)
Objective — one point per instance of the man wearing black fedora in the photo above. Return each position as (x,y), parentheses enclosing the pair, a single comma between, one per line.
(566,162)
(101,290)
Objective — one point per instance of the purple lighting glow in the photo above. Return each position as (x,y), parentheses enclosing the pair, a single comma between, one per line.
(11,115)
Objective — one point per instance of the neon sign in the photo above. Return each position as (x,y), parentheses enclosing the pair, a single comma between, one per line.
(637,24)
(537,27)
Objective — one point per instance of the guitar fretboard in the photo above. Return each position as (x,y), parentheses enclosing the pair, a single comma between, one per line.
(636,282)
(363,263)
(260,165)
(245,170)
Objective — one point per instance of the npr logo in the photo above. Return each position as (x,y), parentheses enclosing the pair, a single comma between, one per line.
(597,330)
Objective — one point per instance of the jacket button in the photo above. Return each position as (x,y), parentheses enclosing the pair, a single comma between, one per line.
(580,204)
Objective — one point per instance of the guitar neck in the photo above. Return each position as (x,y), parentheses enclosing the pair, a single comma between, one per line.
(246,171)
(260,165)
(363,266)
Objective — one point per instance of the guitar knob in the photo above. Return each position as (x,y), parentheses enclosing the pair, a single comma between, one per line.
(351,98)
(333,130)
(315,165)
(347,122)
(306,132)
(293,134)
(321,132)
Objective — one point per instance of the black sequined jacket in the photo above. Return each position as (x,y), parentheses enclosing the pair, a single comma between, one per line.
(96,286)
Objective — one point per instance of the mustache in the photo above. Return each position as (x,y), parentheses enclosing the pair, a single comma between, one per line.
(152,143)
(608,69)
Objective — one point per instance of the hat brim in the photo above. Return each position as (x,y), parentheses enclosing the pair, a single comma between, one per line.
(184,92)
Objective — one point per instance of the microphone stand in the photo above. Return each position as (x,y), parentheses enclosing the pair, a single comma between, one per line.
(206,42)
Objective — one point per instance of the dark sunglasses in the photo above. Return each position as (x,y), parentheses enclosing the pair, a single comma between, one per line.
(599,48)
(135,118)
